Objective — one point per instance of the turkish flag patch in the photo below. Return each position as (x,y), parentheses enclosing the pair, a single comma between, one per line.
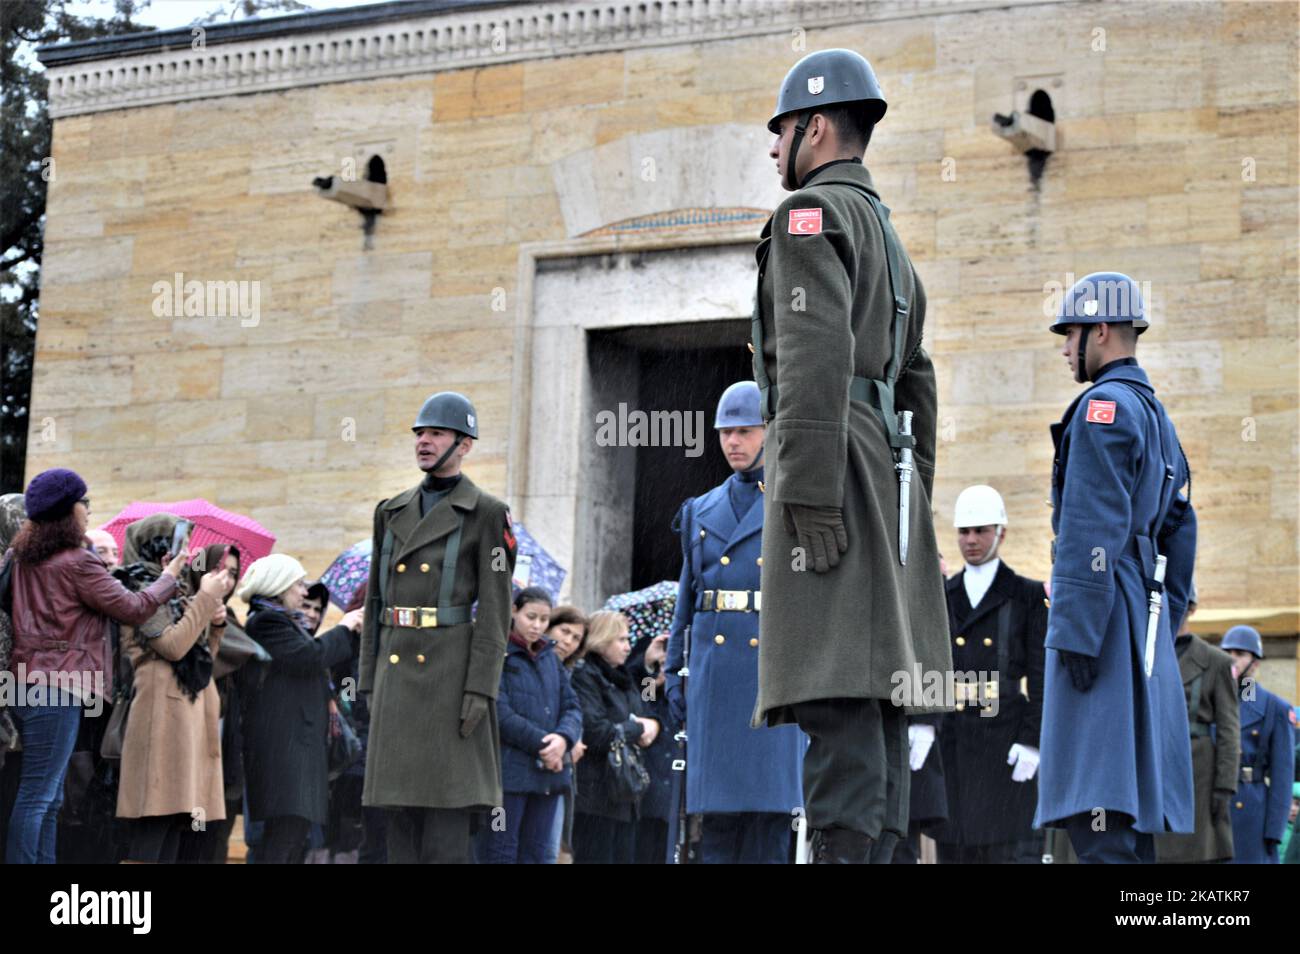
(1101,412)
(805,221)
(507,537)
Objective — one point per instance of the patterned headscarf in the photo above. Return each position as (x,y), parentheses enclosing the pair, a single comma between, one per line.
(148,542)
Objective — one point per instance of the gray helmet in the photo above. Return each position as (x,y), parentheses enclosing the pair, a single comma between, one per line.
(1109,297)
(450,411)
(826,78)
(738,406)
(1244,638)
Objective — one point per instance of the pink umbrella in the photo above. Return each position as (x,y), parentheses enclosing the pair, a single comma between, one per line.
(211,525)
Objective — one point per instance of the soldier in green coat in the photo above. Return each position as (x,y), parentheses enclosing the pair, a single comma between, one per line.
(431,667)
(854,626)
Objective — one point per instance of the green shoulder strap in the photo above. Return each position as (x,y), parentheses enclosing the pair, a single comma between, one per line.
(448,581)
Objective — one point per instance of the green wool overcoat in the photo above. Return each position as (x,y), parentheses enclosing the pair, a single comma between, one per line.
(861,629)
(417,677)
(1207,671)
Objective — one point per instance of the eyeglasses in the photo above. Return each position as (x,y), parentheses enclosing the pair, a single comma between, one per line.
(85,502)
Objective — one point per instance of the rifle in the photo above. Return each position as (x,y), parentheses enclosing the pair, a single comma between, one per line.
(679,824)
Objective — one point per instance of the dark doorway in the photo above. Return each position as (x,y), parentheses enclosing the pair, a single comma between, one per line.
(682,367)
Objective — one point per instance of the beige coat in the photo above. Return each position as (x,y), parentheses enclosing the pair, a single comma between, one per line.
(171,756)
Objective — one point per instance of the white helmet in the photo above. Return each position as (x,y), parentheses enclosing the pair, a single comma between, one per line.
(979,506)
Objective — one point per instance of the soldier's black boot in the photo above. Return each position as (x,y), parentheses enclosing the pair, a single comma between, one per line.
(840,846)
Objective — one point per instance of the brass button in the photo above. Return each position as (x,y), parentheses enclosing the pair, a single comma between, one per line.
(424,568)
(420,658)
(759,561)
(1047,603)
(1254,731)
(393,659)
(725,560)
(701,533)
(750,346)
(1241,805)
(719,639)
(961,706)
(754,642)
(960,640)
(401,568)
(988,642)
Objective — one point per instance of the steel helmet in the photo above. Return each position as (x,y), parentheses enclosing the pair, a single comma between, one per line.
(1109,297)
(826,78)
(450,411)
(1245,638)
(979,506)
(739,406)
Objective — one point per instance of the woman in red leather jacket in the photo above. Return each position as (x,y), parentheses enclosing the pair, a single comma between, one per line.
(63,597)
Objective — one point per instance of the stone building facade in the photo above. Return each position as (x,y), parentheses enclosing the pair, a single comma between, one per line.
(575,189)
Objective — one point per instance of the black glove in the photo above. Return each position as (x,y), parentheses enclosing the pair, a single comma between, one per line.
(473,708)
(819,531)
(1082,669)
(1270,846)
(1219,805)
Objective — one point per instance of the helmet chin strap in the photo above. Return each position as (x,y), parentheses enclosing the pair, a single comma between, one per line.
(993,550)
(1081,369)
(447,453)
(790,183)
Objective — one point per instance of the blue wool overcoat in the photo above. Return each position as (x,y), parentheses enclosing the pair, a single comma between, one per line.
(1123,746)
(730,766)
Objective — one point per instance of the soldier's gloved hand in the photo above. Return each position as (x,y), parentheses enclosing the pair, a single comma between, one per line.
(919,740)
(1219,802)
(820,532)
(1025,760)
(1082,669)
(677,705)
(473,708)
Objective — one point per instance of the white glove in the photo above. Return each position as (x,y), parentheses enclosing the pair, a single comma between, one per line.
(919,740)
(1025,760)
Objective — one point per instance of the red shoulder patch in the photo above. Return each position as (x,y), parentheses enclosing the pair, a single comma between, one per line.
(506,535)
(1101,412)
(805,221)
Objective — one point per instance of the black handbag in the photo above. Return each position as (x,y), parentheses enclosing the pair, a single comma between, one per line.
(626,778)
(110,746)
(345,748)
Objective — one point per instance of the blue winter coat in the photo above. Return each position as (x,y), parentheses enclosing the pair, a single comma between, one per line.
(535,699)
(1259,811)
(729,766)
(1123,746)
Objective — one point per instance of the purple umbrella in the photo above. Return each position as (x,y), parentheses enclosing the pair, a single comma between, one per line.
(349,571)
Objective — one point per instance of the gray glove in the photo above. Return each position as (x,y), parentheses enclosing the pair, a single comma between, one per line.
(473,708)
(820,532)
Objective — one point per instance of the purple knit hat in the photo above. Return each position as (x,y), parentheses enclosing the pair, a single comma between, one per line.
(53,493)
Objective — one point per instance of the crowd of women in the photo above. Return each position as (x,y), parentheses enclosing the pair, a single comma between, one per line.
(142,716)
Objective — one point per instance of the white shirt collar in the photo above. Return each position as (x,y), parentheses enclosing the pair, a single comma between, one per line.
(978,579)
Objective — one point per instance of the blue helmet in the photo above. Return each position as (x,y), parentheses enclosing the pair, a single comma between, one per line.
(1245,638)
(739,406)
(1108,297)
